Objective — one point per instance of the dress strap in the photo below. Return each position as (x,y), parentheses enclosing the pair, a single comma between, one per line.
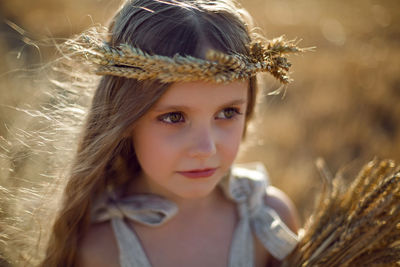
(131,252)
(241,250)
(147,209)
(247,185)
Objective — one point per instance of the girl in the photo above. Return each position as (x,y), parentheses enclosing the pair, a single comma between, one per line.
(152,182)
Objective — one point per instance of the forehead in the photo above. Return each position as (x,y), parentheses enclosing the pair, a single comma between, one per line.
(198,94)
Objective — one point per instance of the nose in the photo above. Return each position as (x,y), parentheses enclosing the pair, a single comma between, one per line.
(203,143)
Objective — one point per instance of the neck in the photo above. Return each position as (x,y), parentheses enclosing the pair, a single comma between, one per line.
(206,204)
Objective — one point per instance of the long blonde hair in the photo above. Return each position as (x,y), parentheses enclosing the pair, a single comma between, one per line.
(105,157)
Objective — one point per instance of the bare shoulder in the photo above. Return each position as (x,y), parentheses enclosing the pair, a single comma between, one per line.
(98,247)
(284,206)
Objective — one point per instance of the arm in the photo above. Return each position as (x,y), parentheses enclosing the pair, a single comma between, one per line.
(285,208)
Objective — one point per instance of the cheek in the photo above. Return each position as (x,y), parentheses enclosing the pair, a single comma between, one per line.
(230,139)
(154,149)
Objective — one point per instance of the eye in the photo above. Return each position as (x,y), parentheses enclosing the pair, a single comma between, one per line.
(172,117)
(228,113)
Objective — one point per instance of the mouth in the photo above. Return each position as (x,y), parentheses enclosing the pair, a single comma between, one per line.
(199,173)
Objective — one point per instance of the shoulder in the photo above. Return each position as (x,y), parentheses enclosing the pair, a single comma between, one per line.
(283,205)
(256,176)
(98,247)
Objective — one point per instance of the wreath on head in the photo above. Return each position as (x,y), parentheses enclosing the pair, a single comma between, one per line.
(128,61)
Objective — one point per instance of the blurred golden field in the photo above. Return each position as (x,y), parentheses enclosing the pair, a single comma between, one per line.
(343,105)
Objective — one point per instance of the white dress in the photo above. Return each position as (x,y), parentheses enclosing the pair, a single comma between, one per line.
(246,186)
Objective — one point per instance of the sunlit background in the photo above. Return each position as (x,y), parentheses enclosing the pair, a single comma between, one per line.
(343,105)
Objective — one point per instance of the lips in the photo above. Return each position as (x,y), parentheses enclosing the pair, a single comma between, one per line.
(203,173)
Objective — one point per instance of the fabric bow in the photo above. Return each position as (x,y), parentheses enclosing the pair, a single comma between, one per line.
(147,209)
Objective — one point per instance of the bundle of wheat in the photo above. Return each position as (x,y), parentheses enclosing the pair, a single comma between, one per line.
(356,225)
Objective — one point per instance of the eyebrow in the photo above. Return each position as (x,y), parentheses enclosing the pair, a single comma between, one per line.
(160,108)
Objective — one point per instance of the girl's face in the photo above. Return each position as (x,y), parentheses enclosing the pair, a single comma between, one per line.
(188,140)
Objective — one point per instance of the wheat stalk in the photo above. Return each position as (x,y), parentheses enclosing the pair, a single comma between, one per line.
(356,225)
